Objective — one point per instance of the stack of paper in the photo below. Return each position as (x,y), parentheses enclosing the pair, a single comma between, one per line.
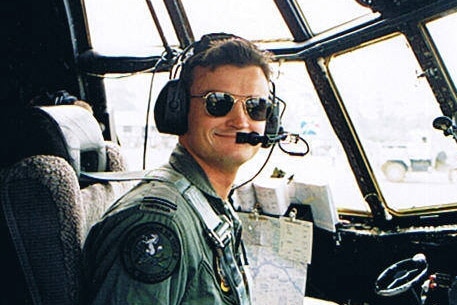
(272,195)
(319,197)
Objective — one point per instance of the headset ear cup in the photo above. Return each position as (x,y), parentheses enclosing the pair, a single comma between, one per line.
(171,109)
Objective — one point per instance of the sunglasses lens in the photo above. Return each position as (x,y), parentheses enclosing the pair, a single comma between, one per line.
(219,103)
(257,108)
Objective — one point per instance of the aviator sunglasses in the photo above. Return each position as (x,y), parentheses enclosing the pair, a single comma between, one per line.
(219,104)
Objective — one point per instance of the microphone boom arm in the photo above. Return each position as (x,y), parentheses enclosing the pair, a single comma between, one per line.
(253,138)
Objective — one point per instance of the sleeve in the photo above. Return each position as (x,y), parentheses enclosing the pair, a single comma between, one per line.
(150,250)
(138,260)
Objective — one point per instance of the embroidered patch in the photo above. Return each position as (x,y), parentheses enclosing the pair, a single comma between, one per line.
(151,252)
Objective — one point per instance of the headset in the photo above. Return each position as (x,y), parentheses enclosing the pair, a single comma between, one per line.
(172,104)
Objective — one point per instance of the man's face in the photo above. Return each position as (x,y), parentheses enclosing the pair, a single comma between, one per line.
(210,139)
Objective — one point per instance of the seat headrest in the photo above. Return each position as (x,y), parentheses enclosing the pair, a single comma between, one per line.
(67,131)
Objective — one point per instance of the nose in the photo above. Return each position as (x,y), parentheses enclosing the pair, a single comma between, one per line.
(238,117)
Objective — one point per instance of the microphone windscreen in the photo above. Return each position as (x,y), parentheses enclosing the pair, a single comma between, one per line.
(241,137)
(252,138)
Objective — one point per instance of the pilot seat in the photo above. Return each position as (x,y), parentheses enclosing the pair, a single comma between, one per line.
(47,208)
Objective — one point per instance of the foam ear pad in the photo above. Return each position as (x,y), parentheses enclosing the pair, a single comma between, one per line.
(171,108)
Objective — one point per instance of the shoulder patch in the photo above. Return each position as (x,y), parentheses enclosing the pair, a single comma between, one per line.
(151,252)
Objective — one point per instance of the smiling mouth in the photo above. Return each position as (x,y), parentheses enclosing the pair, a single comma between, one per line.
(226,134)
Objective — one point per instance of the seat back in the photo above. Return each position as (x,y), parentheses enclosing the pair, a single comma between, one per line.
(46,211)
(67,131)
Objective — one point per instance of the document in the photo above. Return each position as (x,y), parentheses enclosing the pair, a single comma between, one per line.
(272,195)
(278,268)
(296,239)
(319,197)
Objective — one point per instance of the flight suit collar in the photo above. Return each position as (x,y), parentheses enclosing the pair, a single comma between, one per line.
(182,161)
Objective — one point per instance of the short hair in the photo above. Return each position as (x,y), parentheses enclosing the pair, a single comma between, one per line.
(215,50)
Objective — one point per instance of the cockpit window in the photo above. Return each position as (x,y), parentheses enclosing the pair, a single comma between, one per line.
(392,108)
(382,87)
(326,14)
(119,27)
(447,44)
(236,16)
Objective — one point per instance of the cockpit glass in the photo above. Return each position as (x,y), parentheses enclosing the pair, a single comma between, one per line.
(392,108)
(382,87)
(326,14)
(119,27)
(253,19)
(446,44)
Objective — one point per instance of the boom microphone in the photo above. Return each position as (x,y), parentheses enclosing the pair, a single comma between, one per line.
(254,138)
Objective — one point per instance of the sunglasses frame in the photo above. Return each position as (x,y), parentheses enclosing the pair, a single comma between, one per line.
(205,97)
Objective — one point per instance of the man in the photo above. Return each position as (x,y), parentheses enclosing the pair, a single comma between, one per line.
(176,239)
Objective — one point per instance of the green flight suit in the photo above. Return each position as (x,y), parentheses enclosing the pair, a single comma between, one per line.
(151,247)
